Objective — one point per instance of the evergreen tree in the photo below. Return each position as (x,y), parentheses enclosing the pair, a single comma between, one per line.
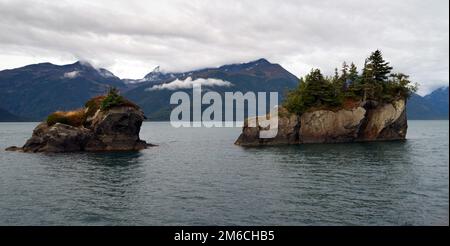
(380,68)
(344,70)
(315,91)
(336,75)
(354,88)
(343,79)
(399,86)
(353,72)
(367,83)
(321,90)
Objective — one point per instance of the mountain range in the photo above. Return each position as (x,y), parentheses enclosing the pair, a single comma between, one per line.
(30,93)
(433,106)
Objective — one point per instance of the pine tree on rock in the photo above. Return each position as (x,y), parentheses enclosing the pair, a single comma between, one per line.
(353,73)
(380,68)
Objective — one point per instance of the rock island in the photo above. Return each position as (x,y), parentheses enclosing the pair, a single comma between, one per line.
(348,107)
(106,123)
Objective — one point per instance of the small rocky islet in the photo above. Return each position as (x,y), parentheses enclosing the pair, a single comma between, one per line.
(347,107)
(106,123)
(367,121)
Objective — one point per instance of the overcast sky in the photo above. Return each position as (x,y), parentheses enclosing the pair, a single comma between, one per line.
(131,37)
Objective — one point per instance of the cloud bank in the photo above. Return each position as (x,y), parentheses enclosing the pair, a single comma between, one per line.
(189,83)
(131,37)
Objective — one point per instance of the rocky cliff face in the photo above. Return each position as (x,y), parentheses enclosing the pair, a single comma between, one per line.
(116,129)
(366,122)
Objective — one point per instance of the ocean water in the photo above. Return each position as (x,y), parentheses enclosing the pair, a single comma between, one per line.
(196,176)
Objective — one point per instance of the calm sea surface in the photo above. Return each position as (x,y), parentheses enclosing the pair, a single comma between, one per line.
(196,176)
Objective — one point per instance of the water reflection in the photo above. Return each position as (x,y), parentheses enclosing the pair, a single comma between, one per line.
(378,152)
(99,185)
(125,158)
(354,180)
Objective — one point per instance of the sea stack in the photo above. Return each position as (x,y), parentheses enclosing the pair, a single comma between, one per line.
(347,107)
(106,123)
(365,121)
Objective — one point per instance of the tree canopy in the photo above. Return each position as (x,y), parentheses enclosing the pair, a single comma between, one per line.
(376,82)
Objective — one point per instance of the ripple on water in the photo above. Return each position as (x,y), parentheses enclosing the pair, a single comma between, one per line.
(198,177)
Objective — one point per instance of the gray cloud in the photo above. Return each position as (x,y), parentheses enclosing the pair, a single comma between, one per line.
(131,37)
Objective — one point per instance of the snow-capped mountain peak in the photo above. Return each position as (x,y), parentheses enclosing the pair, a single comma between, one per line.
(154,75)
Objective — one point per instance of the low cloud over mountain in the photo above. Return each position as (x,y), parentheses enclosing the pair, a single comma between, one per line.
(189,83)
